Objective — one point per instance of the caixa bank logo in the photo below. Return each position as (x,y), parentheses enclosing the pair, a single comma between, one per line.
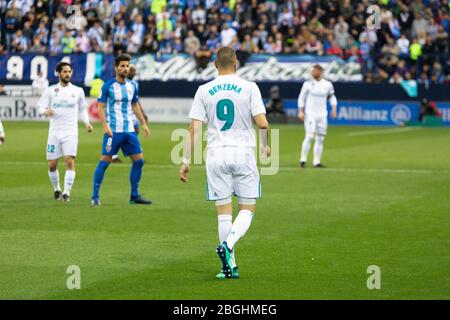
(400,114)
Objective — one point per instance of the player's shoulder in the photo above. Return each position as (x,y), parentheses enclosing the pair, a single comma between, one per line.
(76,88)
(327,82)
(134,83)
(109,82)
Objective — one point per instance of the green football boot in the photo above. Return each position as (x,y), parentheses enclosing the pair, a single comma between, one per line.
(221,275)
(224,254)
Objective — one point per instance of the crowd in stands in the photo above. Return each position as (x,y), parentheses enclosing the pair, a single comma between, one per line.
(411,40)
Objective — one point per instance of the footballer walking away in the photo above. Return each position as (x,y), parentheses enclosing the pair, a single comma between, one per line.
(229,105)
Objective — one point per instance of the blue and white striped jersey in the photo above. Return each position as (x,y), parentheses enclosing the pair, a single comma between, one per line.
(118,98)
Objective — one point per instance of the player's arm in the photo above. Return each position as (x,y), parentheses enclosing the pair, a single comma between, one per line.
(195,130)
(301,101)
(2,132)
(44,108)
(263,125)
(259,115)
(137,109)
(102,99)
(102,117)
(333,102)
(83,113)
(198,116)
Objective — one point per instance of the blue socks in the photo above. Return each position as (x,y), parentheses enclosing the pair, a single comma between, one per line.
(98,177)
(135,176)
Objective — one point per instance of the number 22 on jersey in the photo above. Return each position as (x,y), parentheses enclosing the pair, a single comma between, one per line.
(225,112)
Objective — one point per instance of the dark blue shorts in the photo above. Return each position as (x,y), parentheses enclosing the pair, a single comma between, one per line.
(127,141)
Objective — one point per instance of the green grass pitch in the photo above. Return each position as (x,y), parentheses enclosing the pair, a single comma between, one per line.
(383,200)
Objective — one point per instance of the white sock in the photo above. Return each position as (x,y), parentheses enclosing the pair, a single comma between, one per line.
(239,228)
(224,226)
(69,179)
(306,146)
(318,149)
(54,179)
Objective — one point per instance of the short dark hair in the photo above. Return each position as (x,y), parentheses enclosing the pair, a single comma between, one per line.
(61,65)
(318,67)
(225,58)
(122,57)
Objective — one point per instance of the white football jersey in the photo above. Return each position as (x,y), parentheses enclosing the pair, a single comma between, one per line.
(313,97)
(67,102)
(2,132)
(228,104)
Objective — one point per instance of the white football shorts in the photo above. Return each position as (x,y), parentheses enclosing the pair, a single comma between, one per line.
(231,171)
(316,125)
(59,145)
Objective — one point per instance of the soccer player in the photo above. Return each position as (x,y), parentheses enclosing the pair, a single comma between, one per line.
(312,109)
(228,104)
(63,103)
(2,133)
(131,74)
(117,102)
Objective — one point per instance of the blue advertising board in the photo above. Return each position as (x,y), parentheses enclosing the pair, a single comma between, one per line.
(375,113)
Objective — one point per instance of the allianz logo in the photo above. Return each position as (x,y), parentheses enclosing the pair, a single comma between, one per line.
(359,113)
(398,114)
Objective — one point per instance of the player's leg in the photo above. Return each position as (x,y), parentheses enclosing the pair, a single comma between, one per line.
(133,147)
(69,177)
(224,209)
(53,154)
(309,137)
(321,129)
(110,147)
(115,158)
(69,145)
(53,175)
(219,188)
(246,185)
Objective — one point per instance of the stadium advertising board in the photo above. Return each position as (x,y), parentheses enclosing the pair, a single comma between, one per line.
(170,110)
(159,110)
(384,113)
(176,67)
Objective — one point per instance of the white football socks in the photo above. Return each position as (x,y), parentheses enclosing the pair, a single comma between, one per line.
(306,146)
(318,149)
(69,179)
(239,228)
(224,226)
(54,179)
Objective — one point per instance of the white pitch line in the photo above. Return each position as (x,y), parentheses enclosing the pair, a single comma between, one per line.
(381,131)
(288,169)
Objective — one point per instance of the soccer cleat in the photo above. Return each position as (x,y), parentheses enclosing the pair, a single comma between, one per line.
(139,200)
(319,165)
(116,160)
(302,164)
(224,254)
(66,197)
(221,275)
(58,195)
(95,202)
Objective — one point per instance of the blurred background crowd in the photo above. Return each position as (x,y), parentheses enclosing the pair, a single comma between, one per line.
(411,43)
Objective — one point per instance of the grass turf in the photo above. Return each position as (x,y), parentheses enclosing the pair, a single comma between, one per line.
(383,200)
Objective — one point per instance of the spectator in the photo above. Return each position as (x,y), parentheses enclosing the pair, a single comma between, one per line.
(202,58)
(2,90)
(191,43)
(40,83)
(418,28)
(227,35)
(403,45)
